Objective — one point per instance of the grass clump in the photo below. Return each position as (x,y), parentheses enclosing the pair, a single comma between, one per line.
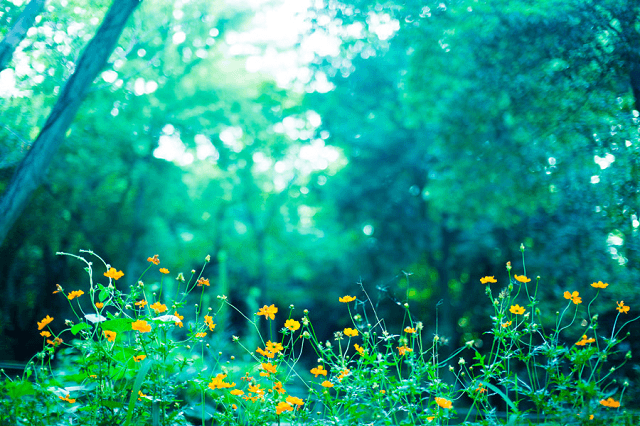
(145,357)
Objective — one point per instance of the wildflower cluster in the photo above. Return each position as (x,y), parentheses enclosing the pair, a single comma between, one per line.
(141,356)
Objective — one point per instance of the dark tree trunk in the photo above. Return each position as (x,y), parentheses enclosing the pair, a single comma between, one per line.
(18,32)
(31,171)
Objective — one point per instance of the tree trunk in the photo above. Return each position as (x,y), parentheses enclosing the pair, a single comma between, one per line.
(31,171)
(19,30)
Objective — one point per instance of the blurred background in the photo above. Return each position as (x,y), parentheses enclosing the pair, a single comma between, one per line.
(309,145)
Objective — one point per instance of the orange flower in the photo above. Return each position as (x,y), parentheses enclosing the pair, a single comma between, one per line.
(506,324)
(516,309)
(139,358)
(155,259)
(274,347)
(403,350)
(409,330)
(350,332)
(56,342)
(209,321)
(316,371)
(327,384)
(283,406)
(262,352)
(74,294)
(164,270)
(45,334)
(158,307)
(219,383)
(292,324)
(99,305)
(203,281)
(141,326)
(522,278)
(110,335)
(201,334)
(584,340)
(359,349)
(573,297)
(46,320)
(58,289)
(114,273)
(236,392)
(610,402)
(599,284)
(256,389)
(622,308)
(444,403)
(268,311)
(278,387)
(485,280)
(180,317)
(294,400)
(267,366)
(141,303)
(70,400)
(346,299)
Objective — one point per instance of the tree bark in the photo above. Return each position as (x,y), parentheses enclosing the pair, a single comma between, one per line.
(31,171)
(18,32)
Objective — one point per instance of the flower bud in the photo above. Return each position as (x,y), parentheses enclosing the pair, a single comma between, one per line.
(208,258)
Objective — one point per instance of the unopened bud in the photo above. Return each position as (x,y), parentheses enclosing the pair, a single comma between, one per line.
(208,258)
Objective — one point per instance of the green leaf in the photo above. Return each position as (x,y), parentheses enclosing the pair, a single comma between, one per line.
(118,325)
(144,369)
(78,327)
(103,295)
(499,392)
(17,390)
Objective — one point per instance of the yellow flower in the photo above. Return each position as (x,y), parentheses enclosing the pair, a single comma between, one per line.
(110,335)
(350,332)
(359,349)
(292,324)
(46,320)
(113,273)
(584,340)
(219,383)
(327,384)
(70,400)
(444,403)
(155,259)
(236,392)
(74,294)
(622,308)
(139,358)
(141,326)
(346,299)
(262,352)
(278,387)
(316,371)
(267,366)
(203,281)
(403,350)
(506,324)
(201,334)
(294,400)
(99,305)
(268,311)
(274,347)
(256,389)
(208,319)
(158,307)
(516,309)
(164,270)
(599,284)
(180,317)
(522,278)
(485,280)
(45,334)
(610,402)
(141,303)
(56,342)
(573,297)
(409,330)
(283,406)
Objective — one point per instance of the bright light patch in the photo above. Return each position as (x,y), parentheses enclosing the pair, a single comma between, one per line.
(367,230)
(179,37)
(605,161)
(595,179)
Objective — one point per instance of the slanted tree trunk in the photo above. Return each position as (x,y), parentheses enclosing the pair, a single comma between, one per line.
(31,171)
(18,32)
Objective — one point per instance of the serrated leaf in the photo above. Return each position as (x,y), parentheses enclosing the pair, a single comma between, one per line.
(79,327)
